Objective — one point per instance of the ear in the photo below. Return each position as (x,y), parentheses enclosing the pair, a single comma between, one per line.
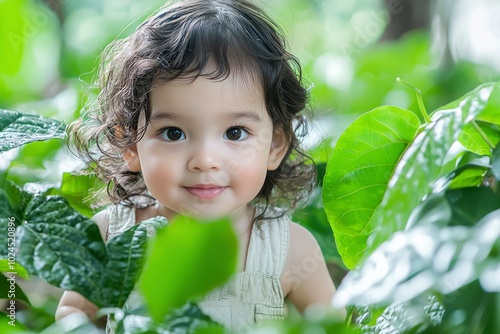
(279,146)
(131,158)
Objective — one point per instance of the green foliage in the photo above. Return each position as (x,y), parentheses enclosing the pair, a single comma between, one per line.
(6,282)
(372,185)
(180,249)
(438,190)
(17,129)
(80,191)
(66,249)
(412,231)
(182,320)
(358,174)
(6,266)
(435,230)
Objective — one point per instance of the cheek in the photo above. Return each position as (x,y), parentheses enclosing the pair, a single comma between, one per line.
(158,171)
(248,169)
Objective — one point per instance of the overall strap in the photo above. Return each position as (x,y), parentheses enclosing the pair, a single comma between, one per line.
(268,246)
(121,217)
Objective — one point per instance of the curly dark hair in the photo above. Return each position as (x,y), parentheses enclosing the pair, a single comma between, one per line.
(209,38)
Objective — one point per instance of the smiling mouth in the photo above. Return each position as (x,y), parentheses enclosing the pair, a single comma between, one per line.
(205,191)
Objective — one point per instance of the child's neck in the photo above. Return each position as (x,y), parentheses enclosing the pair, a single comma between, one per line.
(241,220)
(242,226)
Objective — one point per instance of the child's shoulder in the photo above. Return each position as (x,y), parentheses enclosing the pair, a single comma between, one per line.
(305,279)
(302,242)
(102,220)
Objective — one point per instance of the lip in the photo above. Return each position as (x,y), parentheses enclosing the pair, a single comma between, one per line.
(205,191)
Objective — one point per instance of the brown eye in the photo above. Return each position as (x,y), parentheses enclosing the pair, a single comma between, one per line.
(172,134)
(236,133)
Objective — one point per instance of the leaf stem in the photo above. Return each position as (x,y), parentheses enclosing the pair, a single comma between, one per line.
(482,134)
(420,100)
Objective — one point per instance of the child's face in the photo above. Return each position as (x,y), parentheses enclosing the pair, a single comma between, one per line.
(208,146)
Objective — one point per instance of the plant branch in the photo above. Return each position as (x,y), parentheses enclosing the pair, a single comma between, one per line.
(420,100)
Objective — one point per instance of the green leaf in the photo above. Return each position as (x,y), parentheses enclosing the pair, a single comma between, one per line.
(126,254)
(80,191)
(471,172)
(472,140)
(495,162)
(183,320)
(8,266)
(409,317)
(17,129)
(423,259)
(59,245)
(62,247)
(187,260)
(431,156)
(470,205)
(10,326)
(12,199)
(358,173)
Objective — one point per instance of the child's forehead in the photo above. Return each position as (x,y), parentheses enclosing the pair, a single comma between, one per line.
(245,79)
(224,99)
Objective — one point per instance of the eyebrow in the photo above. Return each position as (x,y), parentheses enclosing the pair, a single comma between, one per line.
(163,115)
(237,115)
(247,115)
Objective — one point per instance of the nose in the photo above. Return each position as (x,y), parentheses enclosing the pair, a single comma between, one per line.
(204,158)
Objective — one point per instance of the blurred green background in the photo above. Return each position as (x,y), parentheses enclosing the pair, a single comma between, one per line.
(351,53)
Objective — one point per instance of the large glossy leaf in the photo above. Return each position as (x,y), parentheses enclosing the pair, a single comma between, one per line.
(59,245)
(413,316)
(358,173)
(426,258)
(431,156)
(470,172)
(187,260)
(17,129)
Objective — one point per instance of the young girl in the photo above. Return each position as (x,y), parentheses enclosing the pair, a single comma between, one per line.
(197,116)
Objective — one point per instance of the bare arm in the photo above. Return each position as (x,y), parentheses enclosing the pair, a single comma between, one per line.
(73,302)
(306,280)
